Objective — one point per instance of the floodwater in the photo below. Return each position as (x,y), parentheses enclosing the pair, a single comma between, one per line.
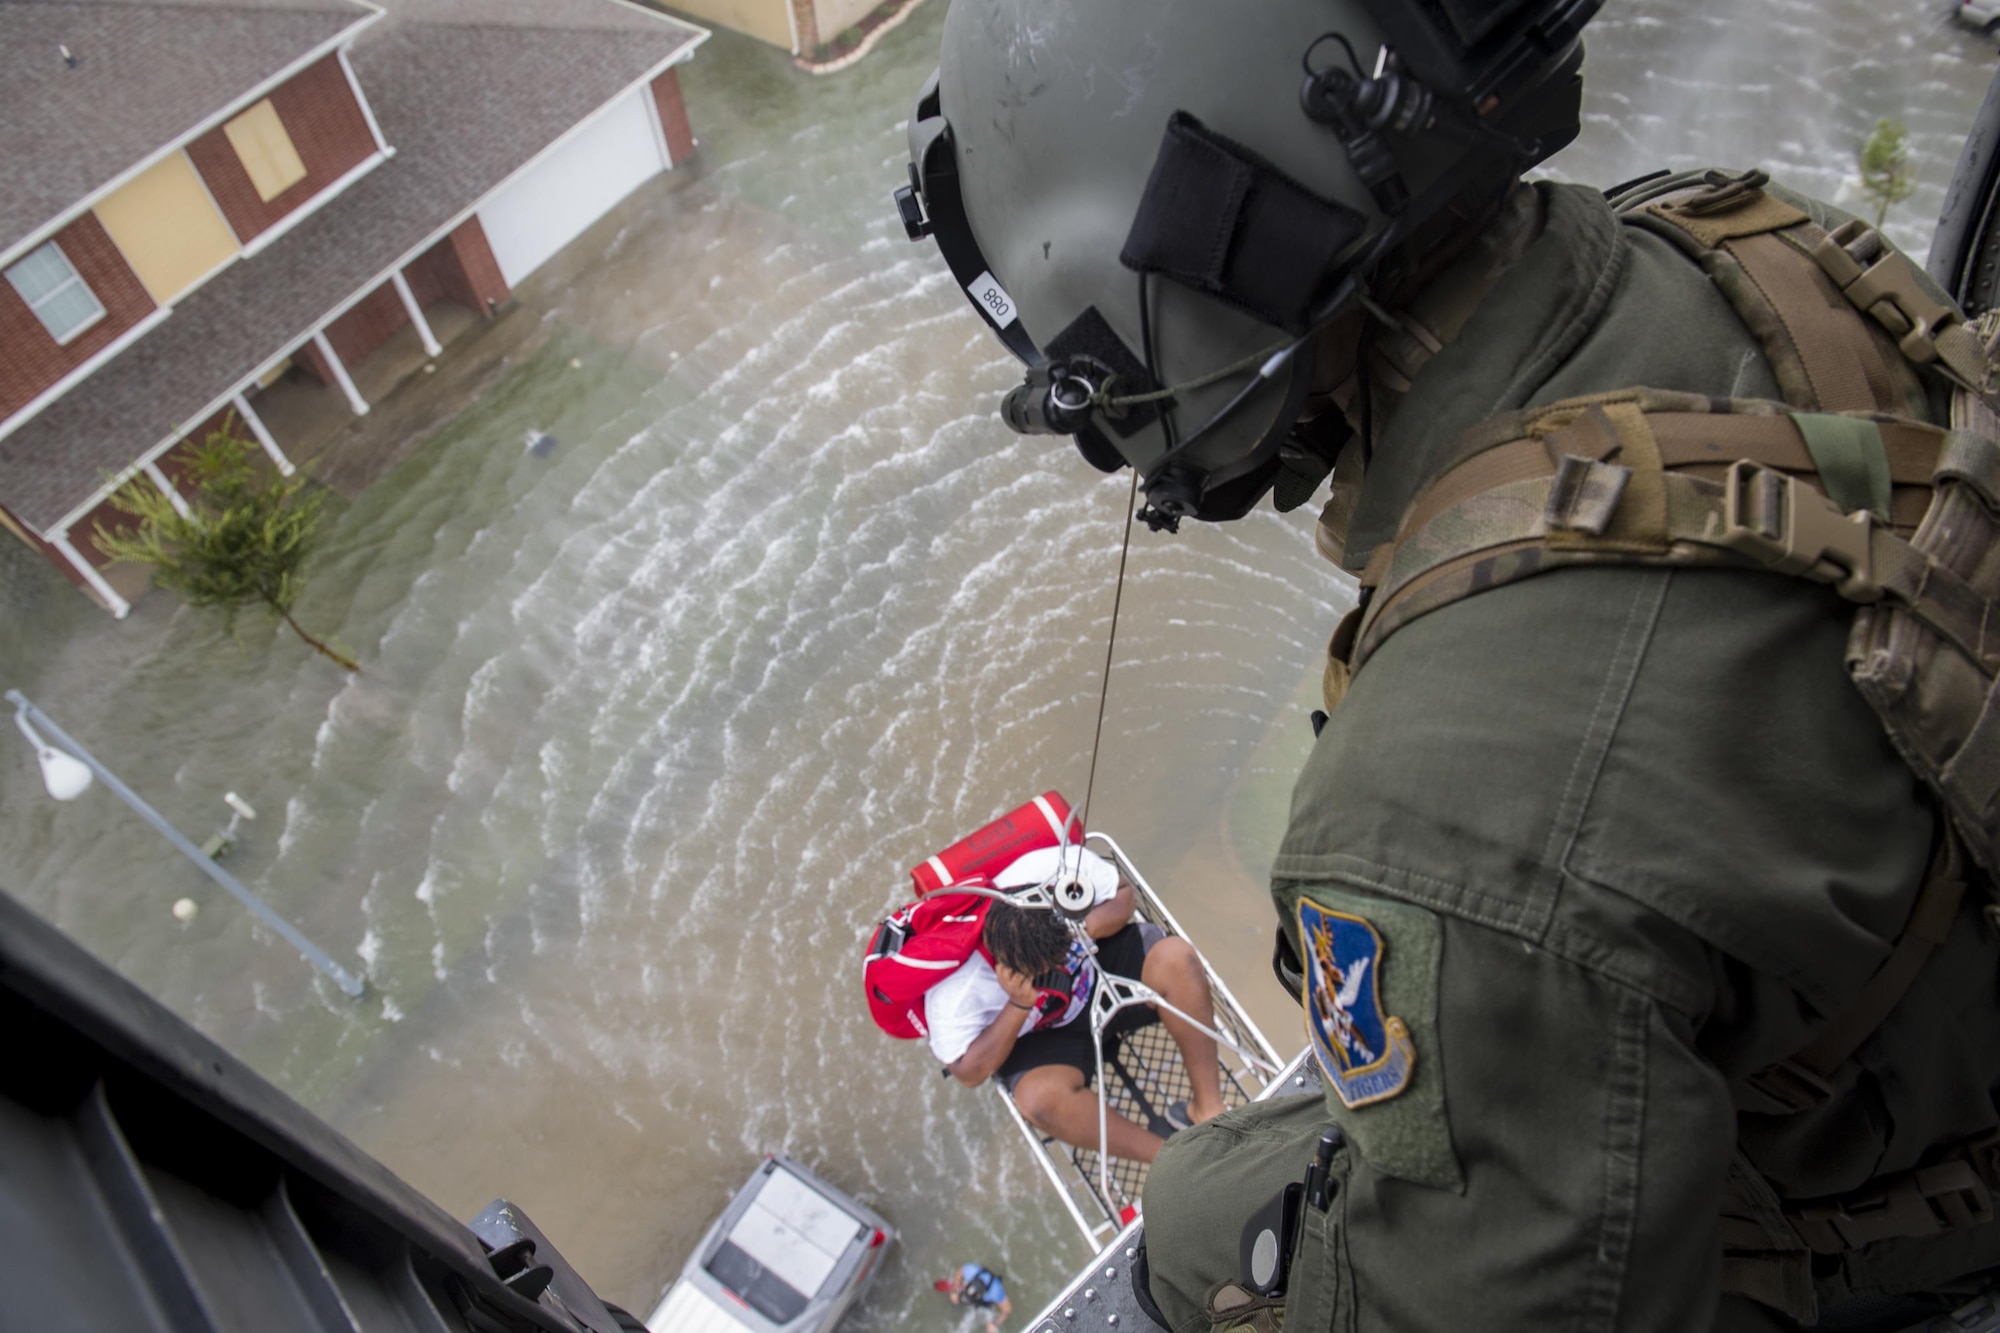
(651,727)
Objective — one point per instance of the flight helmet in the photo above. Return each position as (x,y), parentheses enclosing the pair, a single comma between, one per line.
(1157,205)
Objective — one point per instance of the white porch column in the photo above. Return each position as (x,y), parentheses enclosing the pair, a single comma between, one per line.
(119,606)
(263,434)
(416,313)
(166,485)
(340,375)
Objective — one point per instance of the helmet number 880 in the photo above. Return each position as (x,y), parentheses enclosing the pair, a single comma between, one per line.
(992,298)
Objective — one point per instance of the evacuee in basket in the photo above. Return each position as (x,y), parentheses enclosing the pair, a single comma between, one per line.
(1024,1017)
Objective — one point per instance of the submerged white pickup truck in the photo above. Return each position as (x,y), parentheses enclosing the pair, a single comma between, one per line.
(789,1255)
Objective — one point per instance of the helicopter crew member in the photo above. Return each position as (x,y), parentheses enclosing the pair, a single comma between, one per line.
(1640,966)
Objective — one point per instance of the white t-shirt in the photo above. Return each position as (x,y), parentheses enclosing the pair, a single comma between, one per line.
(964,1004)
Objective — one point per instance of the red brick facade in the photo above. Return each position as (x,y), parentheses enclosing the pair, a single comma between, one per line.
(458,268)
(327,128)
(31,360)
(471,275)
(673,118)
(48,552)
(426,283)
(175,462)
(367,324)
(83,535)
(308,359)
(805,22)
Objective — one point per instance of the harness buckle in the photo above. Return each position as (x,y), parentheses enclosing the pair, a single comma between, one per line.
(1767,518)
(1793,1085)
(1948,1196)
(1885,289)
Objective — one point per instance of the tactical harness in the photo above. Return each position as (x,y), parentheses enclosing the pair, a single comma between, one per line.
(1843,483)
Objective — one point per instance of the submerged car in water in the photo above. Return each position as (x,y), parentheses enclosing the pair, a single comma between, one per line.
(789,1255)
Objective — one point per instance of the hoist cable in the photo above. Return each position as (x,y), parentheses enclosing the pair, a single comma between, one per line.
(1110,645)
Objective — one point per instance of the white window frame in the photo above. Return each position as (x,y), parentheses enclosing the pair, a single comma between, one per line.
(75,331)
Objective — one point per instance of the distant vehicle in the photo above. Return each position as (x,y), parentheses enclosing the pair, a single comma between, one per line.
(789,1255)
(1982,14)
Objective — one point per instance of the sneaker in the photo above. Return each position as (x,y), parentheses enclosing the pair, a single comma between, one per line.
(1176,1114)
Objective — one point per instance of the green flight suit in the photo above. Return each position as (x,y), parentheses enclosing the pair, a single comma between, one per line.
(1627,835)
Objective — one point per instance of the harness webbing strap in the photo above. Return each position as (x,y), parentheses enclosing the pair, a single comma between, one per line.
(1845,369)
(1516,511)
(1951,1194)
(1852,462)
(1803,1079)
(1751,244)
(1756,518)
(1691,434)
(1762,1255)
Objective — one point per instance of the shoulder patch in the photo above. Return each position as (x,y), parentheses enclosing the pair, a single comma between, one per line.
(1366,1055)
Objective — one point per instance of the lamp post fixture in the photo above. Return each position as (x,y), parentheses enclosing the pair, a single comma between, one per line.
(67,769)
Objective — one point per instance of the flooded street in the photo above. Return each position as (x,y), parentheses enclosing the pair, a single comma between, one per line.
(650,729)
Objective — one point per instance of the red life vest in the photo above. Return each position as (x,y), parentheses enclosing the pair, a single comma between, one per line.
(925,942)
(1029,828)
(914,950)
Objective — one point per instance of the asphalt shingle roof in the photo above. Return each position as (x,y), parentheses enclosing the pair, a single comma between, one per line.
(146,75)
(467,91)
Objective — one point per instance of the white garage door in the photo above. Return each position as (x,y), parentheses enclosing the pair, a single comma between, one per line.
(571,188)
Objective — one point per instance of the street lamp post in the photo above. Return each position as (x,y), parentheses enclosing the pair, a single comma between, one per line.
(66,772)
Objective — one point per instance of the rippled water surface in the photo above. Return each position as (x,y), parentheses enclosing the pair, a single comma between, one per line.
(651,727)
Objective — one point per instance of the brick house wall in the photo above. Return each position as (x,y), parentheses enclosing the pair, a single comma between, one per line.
(458,268)
(83,534)
(30,359)
(175,462)
(426,284)
(50,553)
(367,325)
(308,360)
(327,128)
(805,22)
(468,271)
(674,125)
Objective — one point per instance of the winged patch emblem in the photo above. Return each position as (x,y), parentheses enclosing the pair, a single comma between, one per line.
(1366,1055)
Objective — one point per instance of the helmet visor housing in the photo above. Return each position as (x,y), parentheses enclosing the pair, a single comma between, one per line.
(1156,204)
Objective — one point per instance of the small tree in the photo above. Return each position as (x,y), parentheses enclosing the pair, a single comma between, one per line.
(1887,175)
(243,543)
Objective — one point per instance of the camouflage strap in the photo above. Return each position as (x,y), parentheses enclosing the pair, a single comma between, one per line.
(1752,244)
(1702,436)
(1554,497)
(1927,663)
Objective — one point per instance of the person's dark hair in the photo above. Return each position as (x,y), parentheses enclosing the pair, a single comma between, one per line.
(1028,939)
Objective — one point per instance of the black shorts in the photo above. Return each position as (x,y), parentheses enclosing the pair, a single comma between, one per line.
(1122,955)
